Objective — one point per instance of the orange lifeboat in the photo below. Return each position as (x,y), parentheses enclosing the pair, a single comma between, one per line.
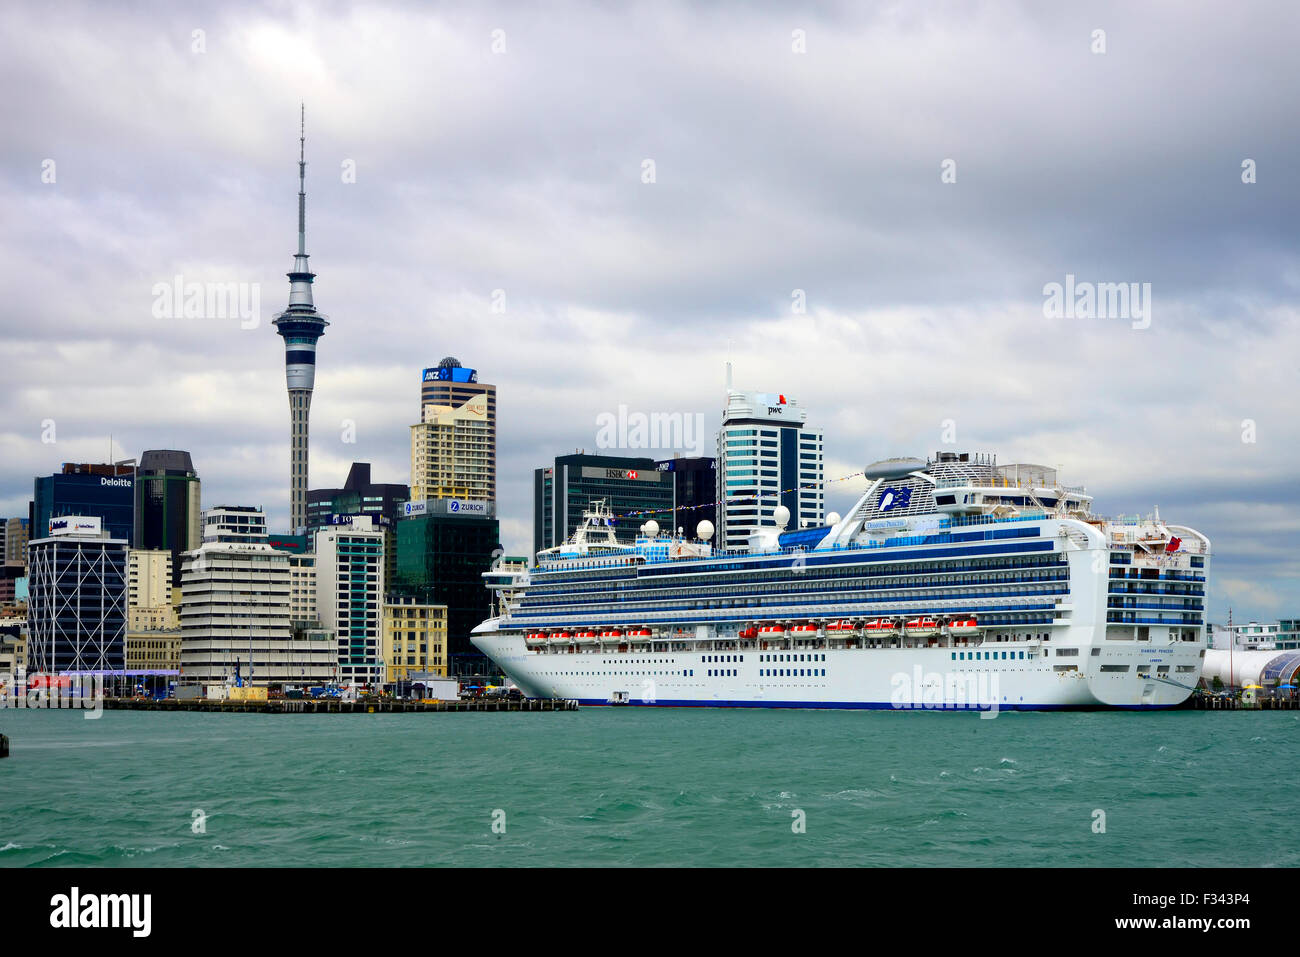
(922,627)
(962,627)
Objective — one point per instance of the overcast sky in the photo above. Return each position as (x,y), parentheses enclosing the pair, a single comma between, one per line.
(136,149)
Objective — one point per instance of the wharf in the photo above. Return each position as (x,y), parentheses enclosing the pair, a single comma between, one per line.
(1206,702)
(337,706)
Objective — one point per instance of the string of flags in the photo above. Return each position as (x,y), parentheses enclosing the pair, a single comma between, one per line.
(731,500)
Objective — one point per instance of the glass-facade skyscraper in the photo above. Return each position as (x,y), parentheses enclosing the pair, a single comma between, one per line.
(635,489)
(167,511)
(106,492)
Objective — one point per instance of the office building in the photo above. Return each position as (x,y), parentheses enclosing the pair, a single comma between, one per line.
(767,456)
(13,650)
(451,385)
(235,609)
(149,579)
(17,532)
(77,606)
(149,590)
(294,544)
(634,489)
(415,639)
(443,549)
(154,651)
(167,510)
(358,496)
(302,591)
(695,489)
(11,577)
(301,326)
(1257,636)
(384,502)
(350,596)
(106,492)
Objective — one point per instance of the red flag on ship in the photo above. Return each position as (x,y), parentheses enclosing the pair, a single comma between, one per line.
(1173,544)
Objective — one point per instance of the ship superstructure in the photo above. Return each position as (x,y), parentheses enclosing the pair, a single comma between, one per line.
(953,582)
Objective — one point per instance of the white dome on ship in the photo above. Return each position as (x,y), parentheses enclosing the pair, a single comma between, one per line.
(651,528)
(704,530)
(781,516)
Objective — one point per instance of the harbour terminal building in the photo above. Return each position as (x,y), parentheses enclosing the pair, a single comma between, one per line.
(235,609)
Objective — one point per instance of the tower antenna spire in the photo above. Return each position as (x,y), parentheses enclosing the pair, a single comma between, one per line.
(302,180)
(301,326)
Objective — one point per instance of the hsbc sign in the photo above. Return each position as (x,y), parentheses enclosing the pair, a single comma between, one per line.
(622,475)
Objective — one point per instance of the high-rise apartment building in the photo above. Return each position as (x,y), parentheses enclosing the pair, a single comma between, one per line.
(453,453)
(350,597)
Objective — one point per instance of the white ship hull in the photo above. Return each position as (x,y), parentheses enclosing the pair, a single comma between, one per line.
(952,584)
(864,678)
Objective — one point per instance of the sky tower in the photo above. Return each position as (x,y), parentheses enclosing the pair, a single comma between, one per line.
(300,325)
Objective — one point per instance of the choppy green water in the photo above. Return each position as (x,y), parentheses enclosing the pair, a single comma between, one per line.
(650,787)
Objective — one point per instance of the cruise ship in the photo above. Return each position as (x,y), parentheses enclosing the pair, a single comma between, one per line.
(954,583)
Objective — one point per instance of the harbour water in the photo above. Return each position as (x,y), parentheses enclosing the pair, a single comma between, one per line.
(661,787)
